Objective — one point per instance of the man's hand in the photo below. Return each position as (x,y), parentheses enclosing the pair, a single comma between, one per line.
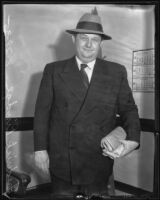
(106,145)
(123,149)
(42,160)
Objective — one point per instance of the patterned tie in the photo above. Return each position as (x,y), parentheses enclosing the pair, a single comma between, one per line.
(84,75)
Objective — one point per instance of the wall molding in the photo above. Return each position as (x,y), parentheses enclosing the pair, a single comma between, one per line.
(131,189)
(26,124)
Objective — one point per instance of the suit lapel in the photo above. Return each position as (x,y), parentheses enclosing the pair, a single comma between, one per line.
(72,78)
(97,87)
(98,80)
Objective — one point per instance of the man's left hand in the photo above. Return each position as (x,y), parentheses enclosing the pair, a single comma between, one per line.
(123,149)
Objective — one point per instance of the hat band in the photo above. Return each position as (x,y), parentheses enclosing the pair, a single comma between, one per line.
(90,26)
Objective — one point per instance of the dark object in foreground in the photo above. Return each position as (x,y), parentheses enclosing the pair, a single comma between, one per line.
(16,183)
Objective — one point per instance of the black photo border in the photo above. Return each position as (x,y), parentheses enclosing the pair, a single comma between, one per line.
(155,123)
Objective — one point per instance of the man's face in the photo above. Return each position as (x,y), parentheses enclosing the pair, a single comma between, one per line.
(87,46)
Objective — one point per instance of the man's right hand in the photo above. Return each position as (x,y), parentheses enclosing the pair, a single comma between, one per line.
(42,160)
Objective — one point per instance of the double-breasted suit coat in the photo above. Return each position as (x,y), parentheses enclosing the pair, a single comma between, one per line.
(70,121)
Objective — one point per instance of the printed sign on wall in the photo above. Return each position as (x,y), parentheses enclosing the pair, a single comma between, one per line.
(143,71)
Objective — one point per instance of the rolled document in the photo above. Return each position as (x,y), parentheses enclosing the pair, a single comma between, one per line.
(115,136)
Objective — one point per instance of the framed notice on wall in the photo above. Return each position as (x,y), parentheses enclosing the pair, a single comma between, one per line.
(143,71)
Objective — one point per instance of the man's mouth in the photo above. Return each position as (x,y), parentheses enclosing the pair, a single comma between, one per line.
(88,50)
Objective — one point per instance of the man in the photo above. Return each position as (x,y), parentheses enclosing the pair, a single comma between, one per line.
(76,109)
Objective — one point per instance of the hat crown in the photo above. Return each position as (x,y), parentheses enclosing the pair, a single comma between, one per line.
(88,17)
(90,22)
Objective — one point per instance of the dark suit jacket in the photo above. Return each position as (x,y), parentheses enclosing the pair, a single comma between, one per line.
(70,123)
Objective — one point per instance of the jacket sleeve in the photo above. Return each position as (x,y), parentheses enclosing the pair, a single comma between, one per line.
(127,110)
(42,110)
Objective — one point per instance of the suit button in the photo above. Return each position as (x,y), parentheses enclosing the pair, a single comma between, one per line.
(73,126)
(71,147)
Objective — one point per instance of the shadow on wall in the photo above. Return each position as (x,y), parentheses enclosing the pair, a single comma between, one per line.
(26,138)
(62,49)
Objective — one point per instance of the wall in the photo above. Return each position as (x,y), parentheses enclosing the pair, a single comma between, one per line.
(35,35)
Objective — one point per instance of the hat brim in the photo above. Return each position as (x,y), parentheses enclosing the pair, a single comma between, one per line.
(104,36)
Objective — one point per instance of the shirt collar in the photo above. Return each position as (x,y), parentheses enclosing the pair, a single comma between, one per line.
(90,64)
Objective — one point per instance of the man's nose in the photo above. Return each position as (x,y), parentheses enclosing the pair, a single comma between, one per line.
(89,43)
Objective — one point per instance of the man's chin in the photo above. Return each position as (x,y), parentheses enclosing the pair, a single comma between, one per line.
(88,58)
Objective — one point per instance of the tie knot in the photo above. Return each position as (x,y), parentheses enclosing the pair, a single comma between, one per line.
(83,66)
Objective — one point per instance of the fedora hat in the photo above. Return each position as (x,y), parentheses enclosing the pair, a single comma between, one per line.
(90,23)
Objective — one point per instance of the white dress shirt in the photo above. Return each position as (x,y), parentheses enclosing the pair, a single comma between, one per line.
(89,69)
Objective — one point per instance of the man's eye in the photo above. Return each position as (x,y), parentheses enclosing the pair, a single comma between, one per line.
(83,38)
(96,40)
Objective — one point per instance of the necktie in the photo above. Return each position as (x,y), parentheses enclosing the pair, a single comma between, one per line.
(84,75)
